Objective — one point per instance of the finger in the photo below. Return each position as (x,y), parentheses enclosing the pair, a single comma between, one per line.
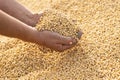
(67,40)
(65,47)
(40,13)
(58,47)
(37,16)
(61,48)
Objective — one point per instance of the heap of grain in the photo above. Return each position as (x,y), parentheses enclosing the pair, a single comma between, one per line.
(54,21)
(21,58)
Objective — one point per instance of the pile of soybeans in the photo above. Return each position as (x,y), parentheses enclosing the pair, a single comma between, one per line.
(95,57)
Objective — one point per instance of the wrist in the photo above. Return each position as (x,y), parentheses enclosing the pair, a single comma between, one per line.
(36,37)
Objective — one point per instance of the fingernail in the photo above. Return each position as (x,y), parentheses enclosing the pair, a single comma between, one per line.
(71,43)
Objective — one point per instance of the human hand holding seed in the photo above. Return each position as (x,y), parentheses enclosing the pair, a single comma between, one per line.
(13,20)
(54,40)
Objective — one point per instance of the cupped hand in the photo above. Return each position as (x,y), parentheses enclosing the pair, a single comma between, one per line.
(54,40)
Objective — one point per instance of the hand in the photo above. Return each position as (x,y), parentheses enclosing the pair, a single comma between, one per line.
(54,40)
(33,20)
(18,11)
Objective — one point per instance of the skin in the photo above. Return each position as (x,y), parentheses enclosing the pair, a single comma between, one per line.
(13,8)
(16,21)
